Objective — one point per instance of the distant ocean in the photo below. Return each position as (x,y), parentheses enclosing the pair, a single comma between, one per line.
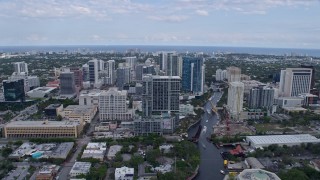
(154,48)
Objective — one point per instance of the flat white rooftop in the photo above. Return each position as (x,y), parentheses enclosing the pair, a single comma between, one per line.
(42,124)
(282,139)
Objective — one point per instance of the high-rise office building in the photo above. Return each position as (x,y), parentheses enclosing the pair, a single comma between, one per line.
(261,97)
(233,74)
(113,106)
(313,77)
(78,76)
(123,76)
(235,98)
(67,83)
(13,90)
(85,72)
(193,75)
(174,65)
(295,81)
(20,67)
(160,94)
(93,71)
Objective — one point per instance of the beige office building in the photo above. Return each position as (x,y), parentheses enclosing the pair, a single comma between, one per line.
(81,113)
(42,129)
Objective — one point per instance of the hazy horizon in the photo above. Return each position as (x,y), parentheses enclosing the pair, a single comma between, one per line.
(228,23)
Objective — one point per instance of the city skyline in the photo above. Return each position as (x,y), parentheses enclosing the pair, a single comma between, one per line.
(243,23)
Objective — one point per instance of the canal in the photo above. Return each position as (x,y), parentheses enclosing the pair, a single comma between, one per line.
(211,161)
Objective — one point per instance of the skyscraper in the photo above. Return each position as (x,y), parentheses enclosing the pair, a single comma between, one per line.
(160,94)
(173,64)
(67,83)
(20,67)
(108,75)
(85,72)
(261,97)
(123,76)
(14,90)
(235,98)
(233,74)
(93,71)
(131,62)
(313,77)
(295,81)
(193,74)
(78,76)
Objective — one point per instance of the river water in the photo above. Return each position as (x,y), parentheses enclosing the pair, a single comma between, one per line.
(211,161)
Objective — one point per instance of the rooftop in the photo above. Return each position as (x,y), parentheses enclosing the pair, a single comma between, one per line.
(81,167)
(43,89)
(42,124)
(257,174)
(280,139)
(53,106)
(123,171)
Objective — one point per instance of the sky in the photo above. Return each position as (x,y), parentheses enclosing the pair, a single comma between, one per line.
(239,23)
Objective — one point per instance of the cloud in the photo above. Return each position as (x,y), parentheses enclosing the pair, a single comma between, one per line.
(202,12)
(36,38)
(169,18)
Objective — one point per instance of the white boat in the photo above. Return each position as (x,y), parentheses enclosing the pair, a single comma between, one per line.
(222,172)
(206,120)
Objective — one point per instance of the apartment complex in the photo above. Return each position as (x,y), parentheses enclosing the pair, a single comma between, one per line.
(160,94)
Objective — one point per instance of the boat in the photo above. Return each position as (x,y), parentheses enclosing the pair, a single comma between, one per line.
(222,172)
(206,120)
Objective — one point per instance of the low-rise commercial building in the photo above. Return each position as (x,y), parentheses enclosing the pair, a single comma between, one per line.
(124,173)
(113,150)
(89,97)
(53,110)
(80,168)
(288,140)
(95,150)
(42,129)
(80,113)
(41,92)
(47,172)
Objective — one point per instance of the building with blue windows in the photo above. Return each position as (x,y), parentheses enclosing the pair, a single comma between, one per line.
(14,90)
(192,75)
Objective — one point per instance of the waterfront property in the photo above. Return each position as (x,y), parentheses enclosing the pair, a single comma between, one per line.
(288,140)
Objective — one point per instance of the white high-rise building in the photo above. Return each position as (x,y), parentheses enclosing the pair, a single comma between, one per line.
(101,65)
(20,67)
(233,74)
(235,98)
(224,75)
(219,75)
(131,62)
(295,81)
(113,106)
(108,75)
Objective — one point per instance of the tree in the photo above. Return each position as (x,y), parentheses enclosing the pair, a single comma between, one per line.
(293,174)
(6,152)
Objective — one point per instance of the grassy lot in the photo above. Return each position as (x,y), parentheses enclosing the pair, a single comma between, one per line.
(263,128)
